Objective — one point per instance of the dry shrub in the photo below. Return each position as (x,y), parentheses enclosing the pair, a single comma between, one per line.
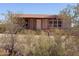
(60,43)
(3,52)
(33,44)
(72,46)
(2,28)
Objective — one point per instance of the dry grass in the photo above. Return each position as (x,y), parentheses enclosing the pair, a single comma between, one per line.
(40,43)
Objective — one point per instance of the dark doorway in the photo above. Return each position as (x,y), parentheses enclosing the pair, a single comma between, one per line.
(27,24)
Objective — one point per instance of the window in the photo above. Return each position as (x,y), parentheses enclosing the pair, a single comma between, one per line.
(59,23)
(55,23)
(50,23)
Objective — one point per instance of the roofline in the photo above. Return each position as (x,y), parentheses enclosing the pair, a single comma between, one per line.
(35,15)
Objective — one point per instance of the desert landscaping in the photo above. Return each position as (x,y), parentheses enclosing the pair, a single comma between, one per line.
(16,40)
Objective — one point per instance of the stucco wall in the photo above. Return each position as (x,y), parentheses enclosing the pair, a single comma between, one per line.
(44,23)
(38,24)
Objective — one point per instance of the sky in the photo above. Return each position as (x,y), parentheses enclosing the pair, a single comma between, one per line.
(32,8)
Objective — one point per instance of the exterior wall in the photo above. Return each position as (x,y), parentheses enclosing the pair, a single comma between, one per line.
(38,24)
(49,26)
(44,23)
(32,23)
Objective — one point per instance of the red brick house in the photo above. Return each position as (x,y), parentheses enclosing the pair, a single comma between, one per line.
(42,21)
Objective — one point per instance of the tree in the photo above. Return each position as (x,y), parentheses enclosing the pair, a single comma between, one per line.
(11,30)
(73,12)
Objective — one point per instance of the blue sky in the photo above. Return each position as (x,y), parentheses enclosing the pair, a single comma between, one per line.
(32,8)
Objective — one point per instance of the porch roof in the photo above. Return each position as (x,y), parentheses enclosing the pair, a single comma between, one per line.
(35,16)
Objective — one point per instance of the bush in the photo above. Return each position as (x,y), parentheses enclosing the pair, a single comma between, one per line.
(45,45)
(2,28)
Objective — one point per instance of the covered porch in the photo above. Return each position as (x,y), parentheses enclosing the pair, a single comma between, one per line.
(38,22)
(33,23)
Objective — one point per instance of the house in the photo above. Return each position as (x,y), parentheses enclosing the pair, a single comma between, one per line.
(42,21)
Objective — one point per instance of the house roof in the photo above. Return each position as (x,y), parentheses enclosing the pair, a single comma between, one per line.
(35,16)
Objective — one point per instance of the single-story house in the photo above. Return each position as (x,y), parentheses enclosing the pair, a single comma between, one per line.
(42,21)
